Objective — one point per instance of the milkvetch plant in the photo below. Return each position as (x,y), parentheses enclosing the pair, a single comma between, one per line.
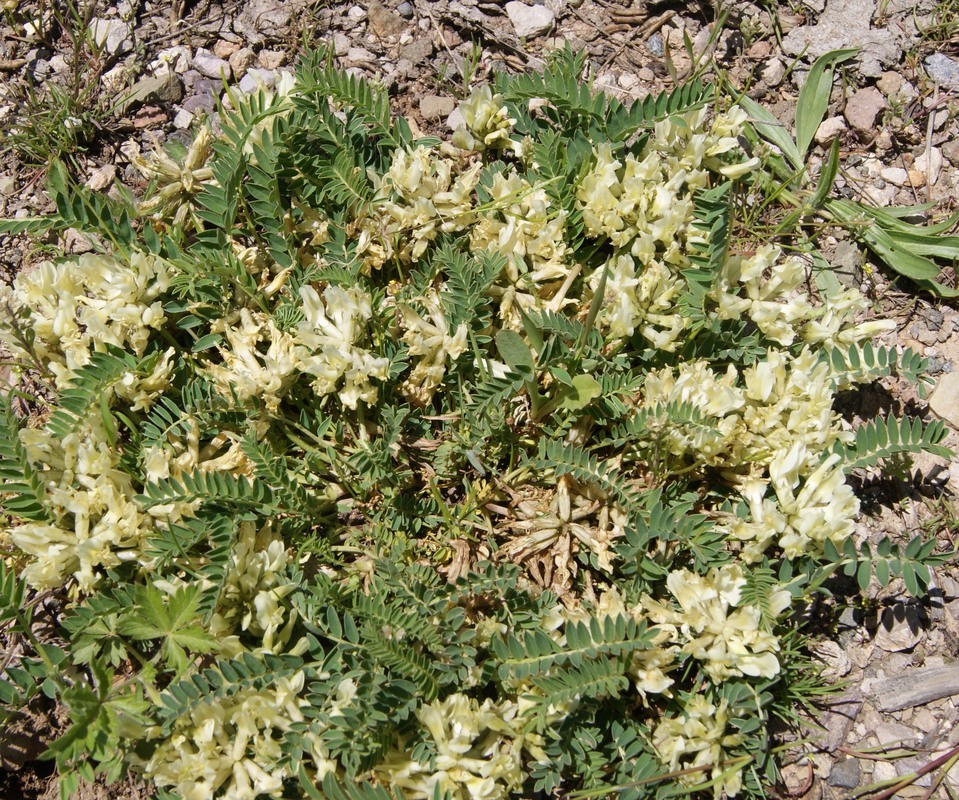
(369,465)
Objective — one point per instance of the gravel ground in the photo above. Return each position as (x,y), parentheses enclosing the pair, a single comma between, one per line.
(136,74)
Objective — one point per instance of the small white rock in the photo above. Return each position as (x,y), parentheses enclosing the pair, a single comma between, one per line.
(931,165)
(530,21)
(944,401)
(896,175)
(179,58)
(829,129)
(455,120)
(774,73)
(355,54)
(182,120)
(210,66)
(356,13)
(341,44)
(101,178)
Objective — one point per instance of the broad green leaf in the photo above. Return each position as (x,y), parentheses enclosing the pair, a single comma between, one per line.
(514,351)
(814,97)
(583,390)
(774,131)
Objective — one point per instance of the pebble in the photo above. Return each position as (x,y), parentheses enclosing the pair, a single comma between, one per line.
(900,628)
(829,129)
(357,13)
(262,20)
(455,120)
(224,49)
(884,771)
(341,44)
(896,175)
(183,119)
(844,773)
(655,45)
(418,50)
(884,140)
(211,66)
(179,58)
(944,401)
(863,108)
(384,22)
(271,59)
(930,165)
(435,107)
(890,83)
(950,150)
(943,70)
(530,21)
(202,103)
(113,34)
(774,73)
(360,54)
(101,178)
(242,60)
(405,10)
(163,87)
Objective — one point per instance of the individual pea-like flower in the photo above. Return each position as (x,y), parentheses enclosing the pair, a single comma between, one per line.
(177,183)
(430,340)
(698,740)
(488,124)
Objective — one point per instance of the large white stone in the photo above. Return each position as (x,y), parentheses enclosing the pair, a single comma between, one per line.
(530,21)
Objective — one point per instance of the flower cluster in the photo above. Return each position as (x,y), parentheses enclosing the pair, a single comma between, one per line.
(231,747)
(479,751)
(728,642)
(96,523)
(424,194)
(79,306)
(698,740)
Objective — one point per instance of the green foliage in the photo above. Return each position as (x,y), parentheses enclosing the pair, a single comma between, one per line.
(20,478)
(915,251)
(880,439)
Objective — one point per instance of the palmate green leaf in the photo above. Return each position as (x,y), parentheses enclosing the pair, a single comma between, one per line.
(172,619)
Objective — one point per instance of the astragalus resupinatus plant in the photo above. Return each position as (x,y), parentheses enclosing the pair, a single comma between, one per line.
(481,469)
